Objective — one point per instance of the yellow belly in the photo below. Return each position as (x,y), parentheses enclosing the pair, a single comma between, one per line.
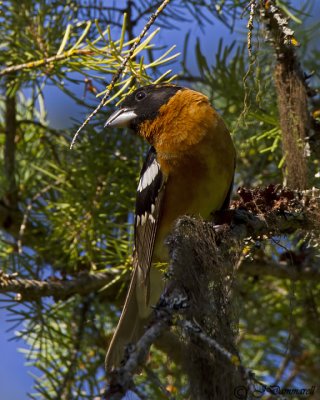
(196,186)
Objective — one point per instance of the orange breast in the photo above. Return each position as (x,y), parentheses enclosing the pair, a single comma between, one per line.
(198,184)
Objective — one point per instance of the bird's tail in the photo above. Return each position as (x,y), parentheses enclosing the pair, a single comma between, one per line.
(135,314)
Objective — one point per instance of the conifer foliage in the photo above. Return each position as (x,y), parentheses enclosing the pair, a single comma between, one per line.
(66,215)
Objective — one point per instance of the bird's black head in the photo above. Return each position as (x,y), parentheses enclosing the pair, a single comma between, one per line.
(141,105)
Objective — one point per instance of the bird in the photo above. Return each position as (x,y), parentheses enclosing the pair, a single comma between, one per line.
(188,170)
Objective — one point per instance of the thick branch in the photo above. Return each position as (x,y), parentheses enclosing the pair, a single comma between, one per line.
(275,210)
(204,261)
(280,271)
(292,97)
(31,290)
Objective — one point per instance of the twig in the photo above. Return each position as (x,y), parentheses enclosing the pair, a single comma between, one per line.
(45,61)
(193,329)
(144,12)
(252,6)
(120,380)
(117,75)
(246,104)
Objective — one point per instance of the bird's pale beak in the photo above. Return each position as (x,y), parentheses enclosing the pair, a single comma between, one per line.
(120,118)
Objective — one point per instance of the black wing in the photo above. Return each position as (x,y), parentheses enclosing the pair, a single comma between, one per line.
(150,193)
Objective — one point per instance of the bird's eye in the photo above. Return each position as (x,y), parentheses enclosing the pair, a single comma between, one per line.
(140,96)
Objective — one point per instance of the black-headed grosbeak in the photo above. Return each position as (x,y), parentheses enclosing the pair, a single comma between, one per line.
(189,169)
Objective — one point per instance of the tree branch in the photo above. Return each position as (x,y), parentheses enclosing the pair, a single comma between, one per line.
(258,213)
(292,96)
(281,270)
(59,289)
(198,301)
(29,289)
(40,63)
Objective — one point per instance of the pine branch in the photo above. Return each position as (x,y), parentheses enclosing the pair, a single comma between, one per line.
(28,289)
(40,63)
(259,213)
